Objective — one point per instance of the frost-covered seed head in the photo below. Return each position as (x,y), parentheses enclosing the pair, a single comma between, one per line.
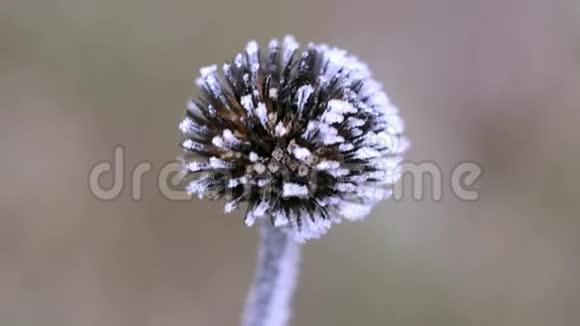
(306,139)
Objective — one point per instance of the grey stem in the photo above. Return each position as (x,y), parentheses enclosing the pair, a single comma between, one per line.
(270,297)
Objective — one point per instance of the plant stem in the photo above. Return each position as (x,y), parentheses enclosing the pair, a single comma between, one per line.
(269,299)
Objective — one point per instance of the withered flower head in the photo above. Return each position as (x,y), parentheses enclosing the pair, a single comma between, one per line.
(304,138)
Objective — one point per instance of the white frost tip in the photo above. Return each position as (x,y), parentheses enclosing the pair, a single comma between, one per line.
(262,113)
(197,187)
(239,60)
(373,193)
(332,139)
(304,93)
(255,67)
(382,103)
(386,163)
(186,125)
(326,134)
(353,122)
(205,71)
(352,211)
(327,165)
(383,139)
(252,47)
(312,229)
(356,132)
(280,129)
(273,93)
(345,187)
(280,218)
(345,147)
(216,163)
(188,143)
(191,106)
(365,153)
(218,141)
(196,166)
(289,46)
(256,212)
(232,183)
(259,168)
(247,102)
(229,138)
(273,44)
(337,173)
(302,154)
(294,190)
(371,87)
(254,157)
(336,110)
(396,124)
(290,42)
(230,206)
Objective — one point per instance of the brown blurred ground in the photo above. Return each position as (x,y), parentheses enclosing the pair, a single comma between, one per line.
(494,82)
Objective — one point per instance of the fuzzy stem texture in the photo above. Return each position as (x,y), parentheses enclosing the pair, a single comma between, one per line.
(269,299)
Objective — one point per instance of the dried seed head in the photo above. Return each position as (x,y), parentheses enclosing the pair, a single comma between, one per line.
(306,139)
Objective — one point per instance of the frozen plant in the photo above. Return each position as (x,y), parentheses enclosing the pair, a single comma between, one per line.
(305,138)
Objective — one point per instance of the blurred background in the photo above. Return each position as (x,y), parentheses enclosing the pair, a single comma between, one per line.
(495,82)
